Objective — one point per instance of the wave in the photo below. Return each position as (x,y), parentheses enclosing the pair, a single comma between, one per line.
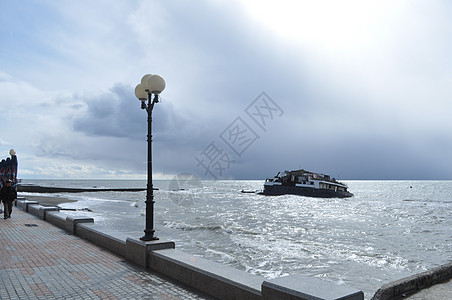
(189,227)
(210,227)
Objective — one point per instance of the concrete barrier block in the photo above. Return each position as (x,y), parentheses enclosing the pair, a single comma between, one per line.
(40,211)
(19,203)
(23,204)
(298,287)
(102,236)
(43,211)
(212,278)
(16,203)
(34,210)
(137,250)
(56,218)
(72,221)
(28,203)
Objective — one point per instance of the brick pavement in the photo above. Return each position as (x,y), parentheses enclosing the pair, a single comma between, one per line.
(41,261)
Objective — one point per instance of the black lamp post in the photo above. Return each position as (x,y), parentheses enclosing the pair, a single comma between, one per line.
(150,85)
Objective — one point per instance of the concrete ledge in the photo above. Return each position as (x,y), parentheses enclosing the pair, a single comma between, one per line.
(40,211)
(137,250)
(19,199)
(44,210)
(56,218)
(102,236)
(72,221)
(34,210)
(23,204)
(412,284)
(298,287)
(19,203)
(212,278)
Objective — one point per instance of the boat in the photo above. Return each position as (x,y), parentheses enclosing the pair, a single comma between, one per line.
(305,183)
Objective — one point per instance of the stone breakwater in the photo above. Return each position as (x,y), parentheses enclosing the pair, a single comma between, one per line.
(411,285)
(28,188)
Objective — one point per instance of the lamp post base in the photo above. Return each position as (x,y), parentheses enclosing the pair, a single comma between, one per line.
(149,236)
(148,239)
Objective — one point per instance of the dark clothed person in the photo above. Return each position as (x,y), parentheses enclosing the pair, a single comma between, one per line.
(8,194)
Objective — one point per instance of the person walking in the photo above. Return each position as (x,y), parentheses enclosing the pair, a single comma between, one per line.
(8,194)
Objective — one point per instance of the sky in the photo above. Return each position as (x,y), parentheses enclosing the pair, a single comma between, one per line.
(353,89)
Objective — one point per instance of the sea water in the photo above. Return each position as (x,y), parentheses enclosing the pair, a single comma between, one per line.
(387,231)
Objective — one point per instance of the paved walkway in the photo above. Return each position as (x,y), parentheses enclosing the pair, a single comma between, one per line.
(41,261)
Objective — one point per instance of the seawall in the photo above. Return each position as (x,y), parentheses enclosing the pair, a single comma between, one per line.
(215,279)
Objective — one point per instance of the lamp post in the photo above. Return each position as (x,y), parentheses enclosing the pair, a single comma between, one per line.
(150,85)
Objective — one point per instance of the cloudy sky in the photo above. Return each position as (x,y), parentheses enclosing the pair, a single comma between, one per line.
(355,89)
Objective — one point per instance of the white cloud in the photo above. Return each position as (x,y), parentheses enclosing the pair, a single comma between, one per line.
(3,142)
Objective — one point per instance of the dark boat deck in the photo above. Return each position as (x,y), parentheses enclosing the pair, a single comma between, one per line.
(277,190)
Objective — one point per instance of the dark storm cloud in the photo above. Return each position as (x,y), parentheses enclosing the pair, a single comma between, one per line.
(115,114)
(119,114)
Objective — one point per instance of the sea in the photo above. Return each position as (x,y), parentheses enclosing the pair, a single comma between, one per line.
(387,231)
